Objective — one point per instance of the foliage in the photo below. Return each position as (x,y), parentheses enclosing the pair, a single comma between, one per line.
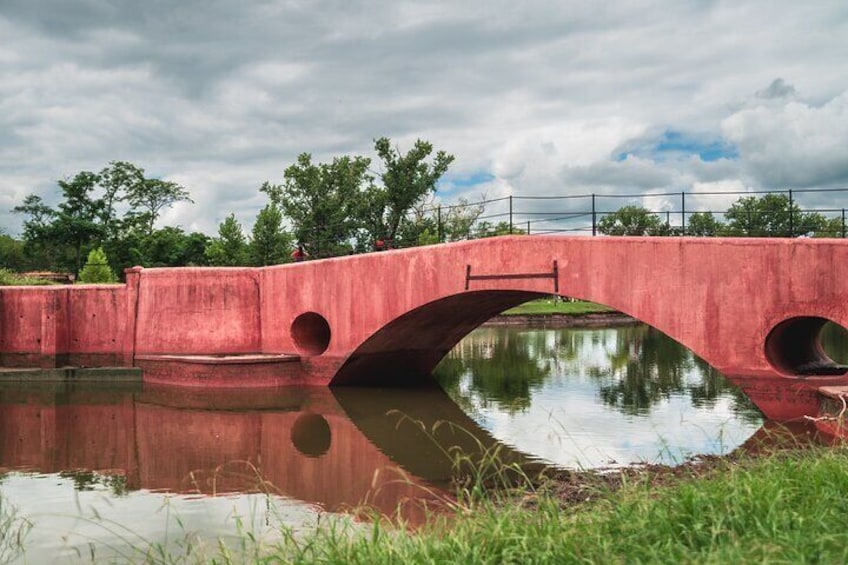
(270,244)
(831,227)
(230,248)
(12,254)
(338,207)
(459,219)
(172,247)
(427,223)
(771,215)
(96,269)
(703,224)
(407,180)
(488,229)
(546,306)
(778,509)
(321,200)
(630,220)
(115,209)
(14,530)
(152,196)
(10,278)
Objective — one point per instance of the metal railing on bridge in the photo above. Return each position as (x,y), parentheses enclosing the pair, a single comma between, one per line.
(806,212)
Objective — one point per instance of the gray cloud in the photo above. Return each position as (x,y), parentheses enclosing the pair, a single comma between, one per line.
(221,96)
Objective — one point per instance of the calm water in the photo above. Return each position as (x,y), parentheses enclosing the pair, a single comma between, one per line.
(109,469)
(596,397)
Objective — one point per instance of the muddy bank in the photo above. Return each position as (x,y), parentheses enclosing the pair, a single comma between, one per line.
(588,320)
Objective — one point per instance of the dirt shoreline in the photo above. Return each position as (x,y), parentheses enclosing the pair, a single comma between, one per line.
(588,320)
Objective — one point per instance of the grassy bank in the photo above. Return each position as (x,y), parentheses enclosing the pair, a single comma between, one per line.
(11,278)
(787,508)
(547,306)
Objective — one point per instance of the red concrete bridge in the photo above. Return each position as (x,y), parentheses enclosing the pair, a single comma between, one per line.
(752,308)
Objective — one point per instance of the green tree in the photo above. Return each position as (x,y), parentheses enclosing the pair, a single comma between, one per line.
(631,220)
(12,253)
(96,269)
(230,248)
(407,179)
(270,244)
(703,224)
(78,220)
(151,196)
(115,208)
(172,247)
(771,215)
(488,229)
(117,181)
(321,201)
(831,227)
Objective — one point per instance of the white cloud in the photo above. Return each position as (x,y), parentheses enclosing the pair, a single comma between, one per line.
(540,97)
(787,143)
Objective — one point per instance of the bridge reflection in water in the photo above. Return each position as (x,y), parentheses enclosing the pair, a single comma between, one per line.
(334,449)
(337,449)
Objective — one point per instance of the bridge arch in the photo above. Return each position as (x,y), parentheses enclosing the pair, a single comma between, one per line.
(408,348)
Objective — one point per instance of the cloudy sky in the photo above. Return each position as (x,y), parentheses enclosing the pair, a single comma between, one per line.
(533,98)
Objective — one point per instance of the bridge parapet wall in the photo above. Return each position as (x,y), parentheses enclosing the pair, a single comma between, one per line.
(198,311)
(51,326)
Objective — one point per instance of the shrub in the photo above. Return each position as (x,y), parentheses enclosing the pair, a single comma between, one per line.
(96,269)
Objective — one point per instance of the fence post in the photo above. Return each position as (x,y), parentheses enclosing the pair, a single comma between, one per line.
(510,214)
(528,227)
(791,222)
(843,223)
(594,217)
(682,213)
(439,223)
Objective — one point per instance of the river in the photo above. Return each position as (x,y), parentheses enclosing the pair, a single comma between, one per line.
(113,471)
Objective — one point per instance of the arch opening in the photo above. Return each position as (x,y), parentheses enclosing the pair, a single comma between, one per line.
(311,334)
(406,350)
(794,347)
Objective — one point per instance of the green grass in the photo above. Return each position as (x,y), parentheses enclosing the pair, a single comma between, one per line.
(786,508)
(549,306)
(11,278)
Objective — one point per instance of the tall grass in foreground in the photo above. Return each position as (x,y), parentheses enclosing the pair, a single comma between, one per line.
(13,532)
(791,507)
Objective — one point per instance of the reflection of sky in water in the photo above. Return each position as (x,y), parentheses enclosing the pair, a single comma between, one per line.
(567,422)
(67,521)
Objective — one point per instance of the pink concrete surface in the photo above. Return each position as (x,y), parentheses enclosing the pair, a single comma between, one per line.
(391,316)
(199,311)
(63,325)
(209,446)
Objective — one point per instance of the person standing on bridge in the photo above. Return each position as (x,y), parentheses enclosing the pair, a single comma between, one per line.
(299,254)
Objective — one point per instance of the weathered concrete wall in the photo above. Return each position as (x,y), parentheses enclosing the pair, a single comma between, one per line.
(199,311)
(47,327)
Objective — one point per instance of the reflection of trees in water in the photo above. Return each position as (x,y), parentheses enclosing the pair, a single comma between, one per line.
(644,368)
(89,480)
(634,367)
(504,367)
